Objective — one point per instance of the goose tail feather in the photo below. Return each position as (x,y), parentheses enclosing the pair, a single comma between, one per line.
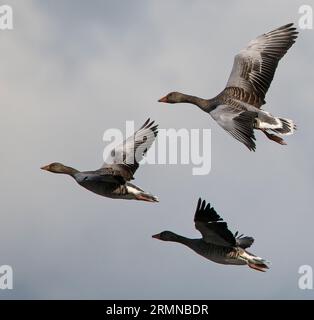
(254,262)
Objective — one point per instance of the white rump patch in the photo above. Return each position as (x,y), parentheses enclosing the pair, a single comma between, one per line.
(133,190)
(265,125)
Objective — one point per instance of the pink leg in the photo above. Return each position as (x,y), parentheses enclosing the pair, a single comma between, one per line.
(144,198)
(256,267)
(274,137)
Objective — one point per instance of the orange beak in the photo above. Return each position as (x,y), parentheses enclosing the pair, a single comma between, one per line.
(45,167)
(164,99)
(156,236)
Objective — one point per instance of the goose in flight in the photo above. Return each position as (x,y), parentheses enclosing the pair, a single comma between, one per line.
(112,180)
(238,108)
(217,244)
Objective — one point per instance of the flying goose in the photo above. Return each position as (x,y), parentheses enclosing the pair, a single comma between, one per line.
(218,244)
(237,109)
(112,179)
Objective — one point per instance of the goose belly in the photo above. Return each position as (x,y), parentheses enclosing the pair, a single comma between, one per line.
(113,191)
(222,255)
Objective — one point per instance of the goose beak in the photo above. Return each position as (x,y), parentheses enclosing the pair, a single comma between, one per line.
(45,167)
(156,236)
(164,99)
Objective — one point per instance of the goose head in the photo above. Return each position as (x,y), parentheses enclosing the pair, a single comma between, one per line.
(173,97)
(57,167)
(178,97)
(166,236)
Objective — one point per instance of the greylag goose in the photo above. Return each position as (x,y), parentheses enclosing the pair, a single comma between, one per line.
(237,109)
(112,179)
(218,244)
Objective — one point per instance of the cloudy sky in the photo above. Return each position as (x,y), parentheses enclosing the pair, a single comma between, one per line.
(70,70)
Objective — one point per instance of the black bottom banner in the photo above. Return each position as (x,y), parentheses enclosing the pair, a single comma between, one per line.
(130,309)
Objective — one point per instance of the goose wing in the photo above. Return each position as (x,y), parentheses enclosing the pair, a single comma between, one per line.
(254,67)
(111,175)
(243,241)
(210,225)
(237,122)
(125,157)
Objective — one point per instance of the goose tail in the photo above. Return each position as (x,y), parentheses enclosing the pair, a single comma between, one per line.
(258,264)
(144,196)
(286,126)
(282,126)
(254,262)
(137,193)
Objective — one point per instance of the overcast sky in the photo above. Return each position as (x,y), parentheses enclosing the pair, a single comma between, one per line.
(70,70)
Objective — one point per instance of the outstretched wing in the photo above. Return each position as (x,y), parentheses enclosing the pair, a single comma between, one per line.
(126,156)
(111,174)
(254,67)
(211,226)
(238,123)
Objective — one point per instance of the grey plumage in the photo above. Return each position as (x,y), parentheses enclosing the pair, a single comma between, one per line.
(254,67)
(217,244)
(112,180)
(126,156)
(237,109)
